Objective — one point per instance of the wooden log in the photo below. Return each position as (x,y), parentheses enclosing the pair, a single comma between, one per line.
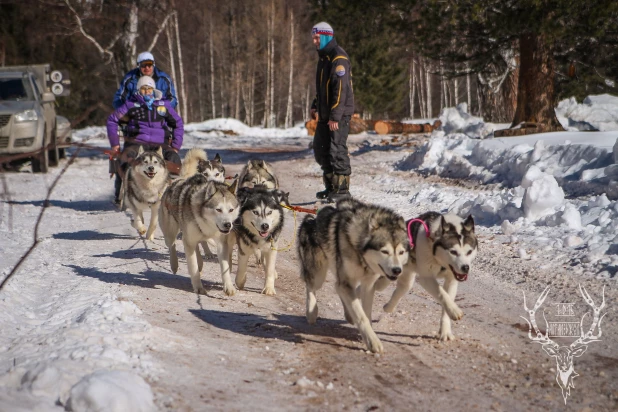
(393,127)
(357,125)
(525,129)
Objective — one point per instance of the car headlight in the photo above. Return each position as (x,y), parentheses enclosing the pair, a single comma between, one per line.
(26,116)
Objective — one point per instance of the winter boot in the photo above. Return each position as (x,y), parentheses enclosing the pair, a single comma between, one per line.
(327,178)
(341,188)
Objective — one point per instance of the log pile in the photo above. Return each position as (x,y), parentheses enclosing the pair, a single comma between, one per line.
(358,125)
(526,128)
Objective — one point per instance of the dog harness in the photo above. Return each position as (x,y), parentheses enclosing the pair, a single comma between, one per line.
(410,237)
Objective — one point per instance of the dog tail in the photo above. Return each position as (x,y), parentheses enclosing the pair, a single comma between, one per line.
(191,161)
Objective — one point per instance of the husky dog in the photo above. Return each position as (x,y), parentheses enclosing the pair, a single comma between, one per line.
(202,210)
(144,183)
(359,243)
(256,173)
(446,254)
(196,161)
(258,229)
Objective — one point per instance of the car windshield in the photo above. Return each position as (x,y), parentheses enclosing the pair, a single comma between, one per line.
(15,88)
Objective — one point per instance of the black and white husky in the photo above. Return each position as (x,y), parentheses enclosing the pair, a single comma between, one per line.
(257,231)
(445,252)
(258,173)
(144,183)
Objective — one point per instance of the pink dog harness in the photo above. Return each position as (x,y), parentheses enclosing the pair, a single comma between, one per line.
(422,222)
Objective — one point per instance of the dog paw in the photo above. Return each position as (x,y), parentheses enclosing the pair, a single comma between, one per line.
(312,316)
(268,290)
(446,335)
(141,230)
(229,290)
(375,345)
(199,290)
(389,307)
(454,312)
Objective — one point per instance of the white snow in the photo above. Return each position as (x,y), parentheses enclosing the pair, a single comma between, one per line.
(112,391)
(594,113)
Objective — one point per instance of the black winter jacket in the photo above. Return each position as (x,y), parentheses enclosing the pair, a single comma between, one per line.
(334,93)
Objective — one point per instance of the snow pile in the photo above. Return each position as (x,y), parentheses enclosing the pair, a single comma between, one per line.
(221,127)
(458,120)
(91,132)
(542,195)
(113,391)
(505,161)
(596,112)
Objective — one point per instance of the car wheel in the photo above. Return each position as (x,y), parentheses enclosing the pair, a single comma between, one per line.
(54,154)
(40,163)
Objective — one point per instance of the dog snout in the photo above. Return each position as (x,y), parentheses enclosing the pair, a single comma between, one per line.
(151,168)
(227,225)
(265,226)
(465,268)
(396,271)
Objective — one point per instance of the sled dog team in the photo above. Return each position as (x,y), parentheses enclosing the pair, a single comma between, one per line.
(365,246)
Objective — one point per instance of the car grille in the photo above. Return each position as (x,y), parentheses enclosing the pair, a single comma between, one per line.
(4,142)
(4,119)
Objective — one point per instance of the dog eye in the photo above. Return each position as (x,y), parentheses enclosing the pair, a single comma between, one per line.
(469,253)
(231,210)
(216,174)
(270,212)
(454,253)
(401,252)
(255,212)
(384,251)
(219,210)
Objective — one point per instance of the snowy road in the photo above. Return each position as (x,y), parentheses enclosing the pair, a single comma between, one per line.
(93,296)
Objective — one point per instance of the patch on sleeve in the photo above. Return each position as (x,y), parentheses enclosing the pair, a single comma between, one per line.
(340,70)
(162,110)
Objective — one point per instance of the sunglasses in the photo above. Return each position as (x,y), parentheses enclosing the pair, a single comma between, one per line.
(144,65)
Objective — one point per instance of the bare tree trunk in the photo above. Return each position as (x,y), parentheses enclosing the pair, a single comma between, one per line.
(213,103)
(479,100)
(252,95)
(412,89)
(428,82)
(468,88)
(168,32)
(456,87)
(272,68)
(536,91)
(421,91)
(268,79)
(182,73)
(308,103)
(199,83)
(288,114)
(131,35)
(443,101)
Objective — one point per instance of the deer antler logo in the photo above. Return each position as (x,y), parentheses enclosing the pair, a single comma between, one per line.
(564,355)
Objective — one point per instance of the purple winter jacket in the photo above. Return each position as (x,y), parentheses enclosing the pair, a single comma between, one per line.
(146,126)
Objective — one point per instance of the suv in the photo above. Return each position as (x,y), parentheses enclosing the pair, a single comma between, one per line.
(28,116)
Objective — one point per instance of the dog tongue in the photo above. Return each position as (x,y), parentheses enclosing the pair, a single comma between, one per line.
(263,234)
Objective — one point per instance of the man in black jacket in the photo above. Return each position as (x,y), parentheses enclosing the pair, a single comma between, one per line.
(334,106)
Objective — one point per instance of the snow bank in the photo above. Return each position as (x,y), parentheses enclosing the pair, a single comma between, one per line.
(220,127)
(458,120)
(112,391)
(596,112)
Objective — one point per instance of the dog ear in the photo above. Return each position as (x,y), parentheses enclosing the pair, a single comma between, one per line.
(250,165)
(140,150)
(217,158)
(468,224)
(233,187)
(160,151)
(261,163)
(373,223)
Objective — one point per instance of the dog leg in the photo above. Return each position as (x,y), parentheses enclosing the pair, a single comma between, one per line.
(223,252)
(193,267)
(404,284)
(170,231)
(141,229)
(367,292)
(241,272)
(431,285)
(382,283)
(270,257)
(200,260)
(355,309)
(152,226)
(207,248)
(314,279)
(445,333)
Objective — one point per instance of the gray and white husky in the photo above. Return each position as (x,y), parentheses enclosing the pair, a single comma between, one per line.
(257,230)
(258,173)
(143,185)
(202,210)
(447,253)
(196,161)
(359,243)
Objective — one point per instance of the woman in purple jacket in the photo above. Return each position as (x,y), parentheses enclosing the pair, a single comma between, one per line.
(151,122)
